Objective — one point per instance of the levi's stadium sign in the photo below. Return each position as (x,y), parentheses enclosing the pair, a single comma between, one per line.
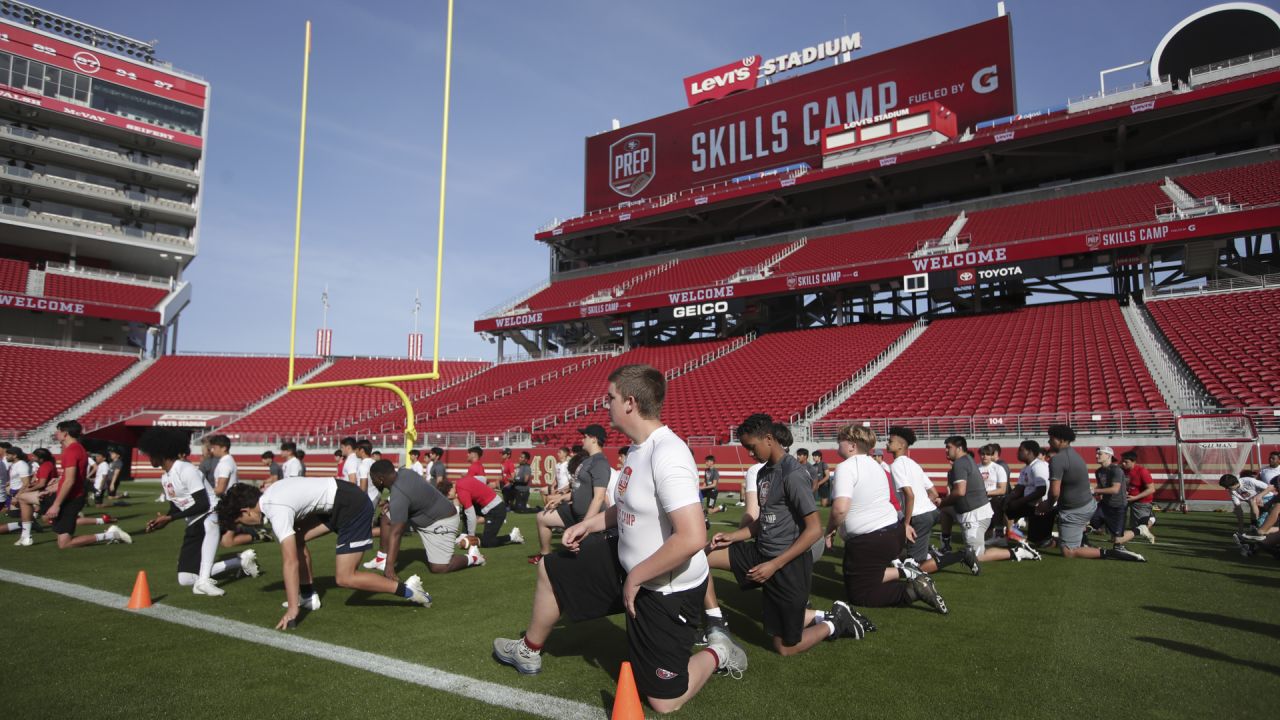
(781,124)
(722,81)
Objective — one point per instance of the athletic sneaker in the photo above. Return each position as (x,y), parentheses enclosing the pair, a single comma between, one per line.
(925,590)
(518,655)
(473,553)
(733,659)
(935,555)
(1023,551)
(536,559)
(307,602)
(516,535)
(107,519)
(908,570)
(207,586)
(970,561)
(116,535)
(846,621)
(712,623)
(249,563)
(420,595)
(376,563)
(1146,534)
(1119,553)
(263,535)
(1015,533)
(23,542)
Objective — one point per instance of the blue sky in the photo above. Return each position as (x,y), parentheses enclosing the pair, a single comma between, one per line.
(531,80)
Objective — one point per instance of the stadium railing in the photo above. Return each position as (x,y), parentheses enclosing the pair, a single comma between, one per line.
(385,440)
(1221,285)
(1135,423)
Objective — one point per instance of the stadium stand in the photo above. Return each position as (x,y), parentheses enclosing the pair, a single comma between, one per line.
(797,367)
(1229,341)
(570,291)
(41,382)
(565,400)
(102,291)
(1068,357)
(308,411)
(493,384)
(705,270)
(876,244)
(198,382)
(1115,207)
(13,275)
(1257,184)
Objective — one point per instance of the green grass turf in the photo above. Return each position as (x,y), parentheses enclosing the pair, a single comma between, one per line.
(1186,634)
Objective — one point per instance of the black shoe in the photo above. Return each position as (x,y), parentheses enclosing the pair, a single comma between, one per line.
(846,621)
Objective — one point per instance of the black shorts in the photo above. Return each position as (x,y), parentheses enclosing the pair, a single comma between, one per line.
(588,585)
(710,497)
(785,594)
(1113,518)
(351,519)
(923,525)
(192,547)
(565,511)
(67,515)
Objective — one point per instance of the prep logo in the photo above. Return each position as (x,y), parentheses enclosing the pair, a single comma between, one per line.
(1094,241)
(632,163)
(624,481)
(87,62)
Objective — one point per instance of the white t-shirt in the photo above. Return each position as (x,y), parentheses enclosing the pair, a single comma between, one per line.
(1269,474)
(287,501)
(18,472)
(611,492)
(749,478)
(417,467)
(226,468)
(1034,475)
(181,484)
(101,470)
(350,466)
(861,479)
(660,476)
(562,476)
(993,476)
(907,473)
(1247,489)
(292,468)
(363,474)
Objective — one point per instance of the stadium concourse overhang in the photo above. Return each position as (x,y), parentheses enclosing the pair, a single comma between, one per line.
(1226,114)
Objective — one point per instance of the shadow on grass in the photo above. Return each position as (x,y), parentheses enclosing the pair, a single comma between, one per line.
(1253,626)
(1261,580)
(1205,653)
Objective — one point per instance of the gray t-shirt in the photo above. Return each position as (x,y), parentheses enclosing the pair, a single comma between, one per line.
(1068,467)
(523,476)
(275,470)
(592,473)
(416,501)
(785,492)
(818,470)
(1110,475)
(207,465)
(712,478)
(438,471)
(975,491)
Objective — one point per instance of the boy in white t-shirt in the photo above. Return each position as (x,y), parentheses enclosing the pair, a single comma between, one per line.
(996,480)
(292,466)
(655,571)
(919,498)
(1244,491)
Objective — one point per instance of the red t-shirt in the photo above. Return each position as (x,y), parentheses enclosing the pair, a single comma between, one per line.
(46,476)
(473,492)
(476,470)
(1139,480)
(508,471)
(74,456)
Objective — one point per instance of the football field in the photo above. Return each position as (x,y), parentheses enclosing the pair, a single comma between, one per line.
(1190,633)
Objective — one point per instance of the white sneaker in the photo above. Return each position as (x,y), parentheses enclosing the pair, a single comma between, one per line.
(474,555)
(207,586)
(516,535)
(518,655)
(24,541)
(249,563)
(115,534)
(307,602)
(420,595)
(376,563)
(1023,551)
(162,498)
(1146,534)
(733,659)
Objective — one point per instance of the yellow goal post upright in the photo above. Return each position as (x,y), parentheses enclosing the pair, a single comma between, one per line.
(386,382)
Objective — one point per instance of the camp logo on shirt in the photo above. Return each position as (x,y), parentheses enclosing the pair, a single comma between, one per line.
(622,483)
(664,674)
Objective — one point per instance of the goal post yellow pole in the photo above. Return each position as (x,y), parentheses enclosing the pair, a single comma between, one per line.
(385,382)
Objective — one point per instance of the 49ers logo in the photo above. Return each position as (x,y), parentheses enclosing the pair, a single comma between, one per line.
(632,163)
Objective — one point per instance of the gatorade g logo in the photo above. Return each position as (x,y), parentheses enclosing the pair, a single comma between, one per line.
(632,163)
(985,80)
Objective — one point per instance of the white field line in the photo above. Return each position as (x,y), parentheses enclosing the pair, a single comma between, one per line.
(486,692)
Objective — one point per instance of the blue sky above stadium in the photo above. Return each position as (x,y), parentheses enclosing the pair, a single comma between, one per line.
(531,81)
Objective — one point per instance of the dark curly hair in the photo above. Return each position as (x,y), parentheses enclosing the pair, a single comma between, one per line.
(237,498)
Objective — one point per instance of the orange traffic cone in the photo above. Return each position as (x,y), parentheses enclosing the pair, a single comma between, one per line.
(141,597)
(626,701)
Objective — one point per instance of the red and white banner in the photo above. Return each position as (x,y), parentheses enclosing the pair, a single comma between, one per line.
(415,346)
(97,116)
(65,306)
(1120,240)
(723,81)
(180,419)
(99,65)
(324,342)
(969,70)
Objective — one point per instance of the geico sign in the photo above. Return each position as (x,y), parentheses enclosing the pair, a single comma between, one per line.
(711,308)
